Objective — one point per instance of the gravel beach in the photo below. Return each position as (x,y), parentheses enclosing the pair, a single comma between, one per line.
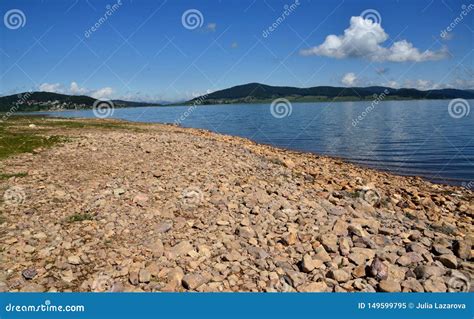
(151,207)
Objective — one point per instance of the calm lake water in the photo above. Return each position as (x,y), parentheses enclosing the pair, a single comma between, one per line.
(403,137)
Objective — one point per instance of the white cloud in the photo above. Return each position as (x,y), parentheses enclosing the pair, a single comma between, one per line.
(104,93)
(51,87)
(349,79)
(75,89)
(363,39)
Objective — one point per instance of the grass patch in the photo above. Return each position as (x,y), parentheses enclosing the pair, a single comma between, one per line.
(79,218)
(7,175)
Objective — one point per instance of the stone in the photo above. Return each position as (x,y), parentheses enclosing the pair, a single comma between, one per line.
(32,287)
(357,230)
(289,238)
(245,232)
(359,271)
(434,284)
(193,281)
(144,276)
(389,286)
(378,269)
(74,260)
(409,258)
(357,258)
(133,277)
(339,275)
(412,285)
(29,249)
(425,271)
(163,227)
(448,260)
(29,273)
(344,246)
(119,191)
(319,286)
(157,248)
(462,249)
(329,242)
(308,264)
(180,249)
(340,228)
(321,254)
(140,199)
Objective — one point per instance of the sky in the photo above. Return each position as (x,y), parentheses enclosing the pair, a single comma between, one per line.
(175,50)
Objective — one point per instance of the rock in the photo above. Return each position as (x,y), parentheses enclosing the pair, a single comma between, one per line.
(462,249)
(339,275)
(180,249)
(329,242)
(357,258)
(409,258)
(448,260)
(441,250)
(321,254)
(313,287)
(74,260)
(245,232)
(140,199)
(424,271)
(357,230)
(144,276)
(68,276)
(32,126)
(192,281)
(412,285)
(359,271)
(29,273)
(389,286)
(29,249)
(294,278)
(458,282)
(157,248)
(308,264)
(32,287)
(434,284)
(344,246)
(119,191)
(340,228)
(289,238)
(133,277)
(378,269)
(163,227)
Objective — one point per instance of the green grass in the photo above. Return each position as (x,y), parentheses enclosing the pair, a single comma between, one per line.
(79,217)
(8,175)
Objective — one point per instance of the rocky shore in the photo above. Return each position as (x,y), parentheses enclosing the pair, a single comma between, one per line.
(141,207)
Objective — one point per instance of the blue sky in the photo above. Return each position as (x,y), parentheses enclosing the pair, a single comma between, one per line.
(142,51)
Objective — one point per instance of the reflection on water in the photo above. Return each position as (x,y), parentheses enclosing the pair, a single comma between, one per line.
(404,137)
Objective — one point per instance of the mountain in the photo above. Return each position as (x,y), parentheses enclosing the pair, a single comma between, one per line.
(256,92)
(44,101)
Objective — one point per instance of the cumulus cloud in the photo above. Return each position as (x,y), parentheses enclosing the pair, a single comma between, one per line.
(75,89)
(51,87)
(349,79)
(364,39)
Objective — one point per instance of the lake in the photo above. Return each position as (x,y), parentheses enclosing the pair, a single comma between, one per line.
(403,137)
